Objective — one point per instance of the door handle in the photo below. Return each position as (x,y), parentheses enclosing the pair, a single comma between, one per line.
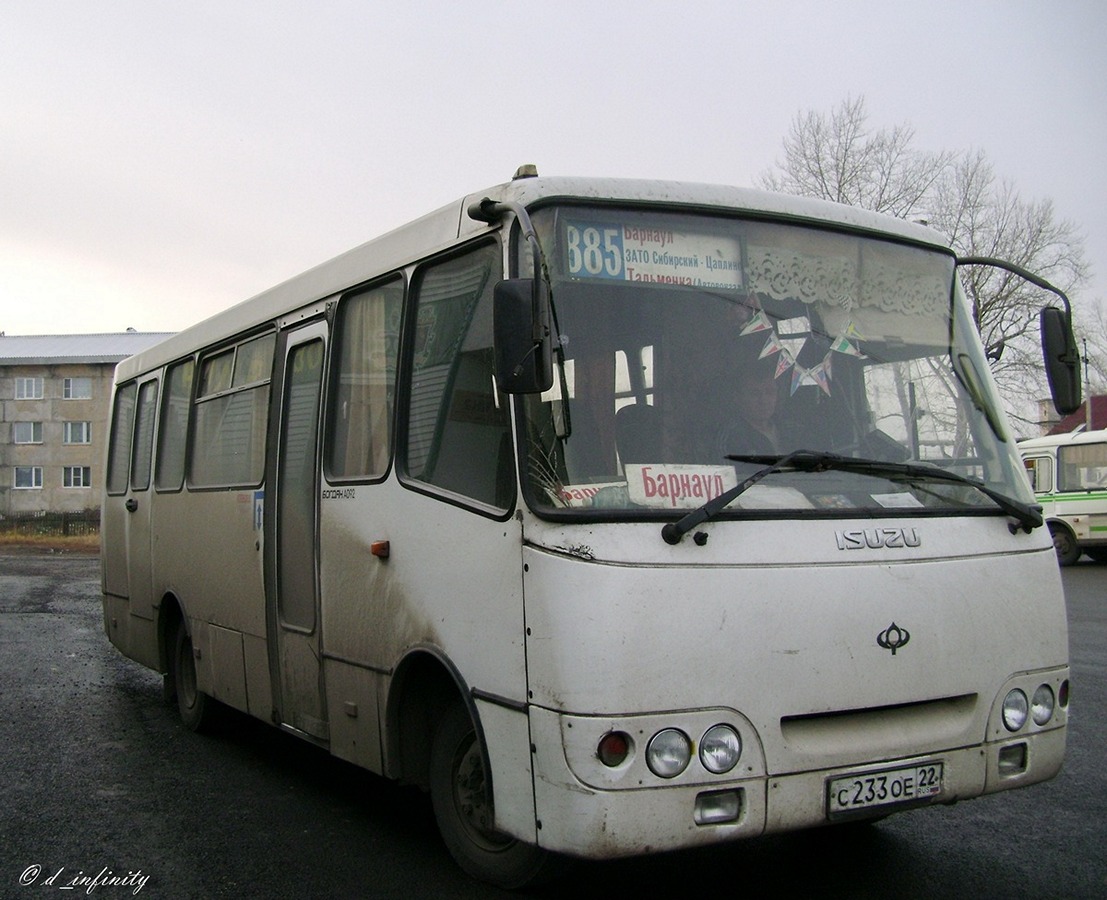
(131,504)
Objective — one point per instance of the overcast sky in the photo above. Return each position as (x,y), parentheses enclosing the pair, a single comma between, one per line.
(164,160)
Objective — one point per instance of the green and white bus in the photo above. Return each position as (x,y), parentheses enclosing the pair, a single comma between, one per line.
(1068,474)
(479,506)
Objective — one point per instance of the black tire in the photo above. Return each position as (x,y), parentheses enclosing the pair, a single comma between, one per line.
(463,809)
(1068,551)
(199,712)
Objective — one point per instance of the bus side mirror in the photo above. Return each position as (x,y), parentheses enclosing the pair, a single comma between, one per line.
(521,332)
(1062,361)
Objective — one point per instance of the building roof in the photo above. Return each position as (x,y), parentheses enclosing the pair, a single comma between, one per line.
(1080,419)
(52,349)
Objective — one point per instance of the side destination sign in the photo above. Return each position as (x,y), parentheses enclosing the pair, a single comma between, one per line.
(653,255)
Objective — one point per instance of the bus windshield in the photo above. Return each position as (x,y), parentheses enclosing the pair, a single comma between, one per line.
(694,349)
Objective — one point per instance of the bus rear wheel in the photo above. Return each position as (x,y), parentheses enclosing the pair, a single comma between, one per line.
(1068,551)
(463,808)
(198,710)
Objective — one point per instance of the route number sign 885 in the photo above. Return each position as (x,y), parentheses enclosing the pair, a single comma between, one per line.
(594,251)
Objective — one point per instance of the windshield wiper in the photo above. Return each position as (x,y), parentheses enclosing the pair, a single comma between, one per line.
(1028,516)
(674,531)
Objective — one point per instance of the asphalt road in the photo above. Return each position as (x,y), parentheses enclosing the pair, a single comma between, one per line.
(104,794)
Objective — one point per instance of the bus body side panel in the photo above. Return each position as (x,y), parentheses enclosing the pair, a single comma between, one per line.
(450,588)
(1085,514)
(218,581)
(113,547)
(134,636)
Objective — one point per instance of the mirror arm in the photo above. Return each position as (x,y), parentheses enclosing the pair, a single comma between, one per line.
(1062,362)
(492,211)
(1022,273)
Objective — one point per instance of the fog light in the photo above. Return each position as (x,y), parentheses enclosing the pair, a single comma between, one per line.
(1012,759)
(614,748)
(717,807)
(1041,707)
(668,753)
(1015,708)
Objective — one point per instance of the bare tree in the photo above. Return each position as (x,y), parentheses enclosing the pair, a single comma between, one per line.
(1091,329)
(837,157)
(982,216)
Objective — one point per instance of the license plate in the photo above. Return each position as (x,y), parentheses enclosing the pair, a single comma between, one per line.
(873,789)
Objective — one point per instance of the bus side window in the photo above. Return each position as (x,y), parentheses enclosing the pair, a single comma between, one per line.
(1039,469)
(457,436)
(1081,467)
(231,416)
(367,335)
(173,431)
(144,435)
(122,428)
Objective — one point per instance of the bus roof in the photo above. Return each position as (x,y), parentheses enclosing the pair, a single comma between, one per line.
(438,230)
(1058,440)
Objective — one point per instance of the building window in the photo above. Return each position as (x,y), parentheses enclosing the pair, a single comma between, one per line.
(77,433)
(28,477)
(77,476)
(28,389)
(26,432)
(77,389)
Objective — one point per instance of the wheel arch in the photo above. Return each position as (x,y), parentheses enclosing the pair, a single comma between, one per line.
(1059,525)
(423,685)
(170,616)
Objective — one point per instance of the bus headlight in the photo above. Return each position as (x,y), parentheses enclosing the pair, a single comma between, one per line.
(720,748)
(1041,707)
(1015,708)
(668,753)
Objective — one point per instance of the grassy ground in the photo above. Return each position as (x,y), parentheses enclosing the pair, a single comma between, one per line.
(85,544)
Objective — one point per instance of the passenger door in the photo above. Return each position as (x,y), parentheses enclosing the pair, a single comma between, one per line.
(128,570)
(291,533)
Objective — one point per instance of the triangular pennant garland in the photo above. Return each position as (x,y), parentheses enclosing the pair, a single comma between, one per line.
(819,375)
(759,322)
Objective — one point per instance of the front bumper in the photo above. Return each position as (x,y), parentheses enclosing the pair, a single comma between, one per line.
(636,816)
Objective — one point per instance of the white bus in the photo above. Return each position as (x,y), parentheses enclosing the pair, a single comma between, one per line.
(481,506)
(1068,474)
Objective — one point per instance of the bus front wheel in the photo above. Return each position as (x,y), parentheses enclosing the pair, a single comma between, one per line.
(1068,551)
(463,808)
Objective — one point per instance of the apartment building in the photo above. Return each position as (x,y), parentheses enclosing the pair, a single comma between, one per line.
(55,391)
